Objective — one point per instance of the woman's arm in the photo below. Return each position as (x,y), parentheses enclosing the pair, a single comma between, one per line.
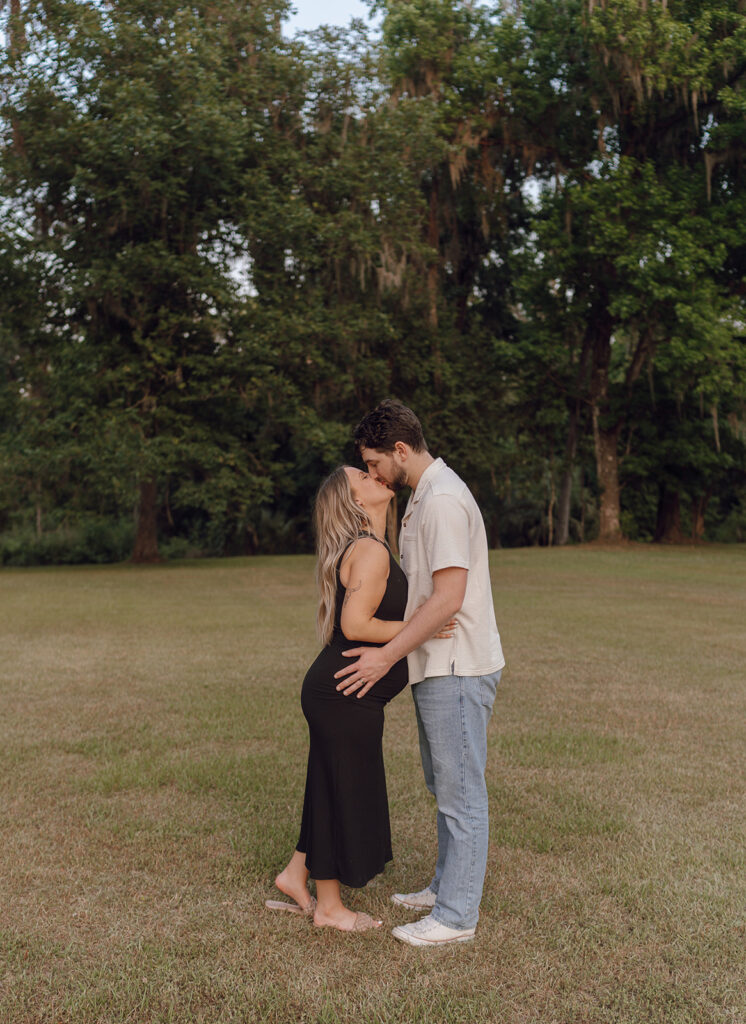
(364,574)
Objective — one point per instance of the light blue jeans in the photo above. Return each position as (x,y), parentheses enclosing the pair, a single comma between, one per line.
(452,716)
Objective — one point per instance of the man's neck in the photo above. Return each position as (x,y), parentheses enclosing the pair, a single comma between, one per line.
(416,466)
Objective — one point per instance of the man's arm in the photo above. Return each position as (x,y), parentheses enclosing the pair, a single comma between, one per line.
(449,588)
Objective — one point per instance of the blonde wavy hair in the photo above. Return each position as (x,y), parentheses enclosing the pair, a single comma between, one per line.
(337,520)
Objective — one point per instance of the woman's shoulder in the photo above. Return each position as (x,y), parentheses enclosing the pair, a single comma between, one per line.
(369,547)
(366,553)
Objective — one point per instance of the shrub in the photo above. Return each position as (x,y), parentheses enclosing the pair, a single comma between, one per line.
(88,541)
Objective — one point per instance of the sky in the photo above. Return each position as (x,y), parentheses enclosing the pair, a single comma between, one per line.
(312,13)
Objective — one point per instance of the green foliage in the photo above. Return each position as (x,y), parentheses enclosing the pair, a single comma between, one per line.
(131,137)
(221,247)
(90,540)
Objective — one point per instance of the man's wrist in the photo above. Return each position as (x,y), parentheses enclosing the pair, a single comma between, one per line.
(391,659)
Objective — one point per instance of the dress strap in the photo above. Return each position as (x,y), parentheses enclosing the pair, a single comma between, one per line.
(373,536)
(361,536)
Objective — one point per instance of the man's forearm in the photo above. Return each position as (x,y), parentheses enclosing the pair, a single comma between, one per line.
(425,622)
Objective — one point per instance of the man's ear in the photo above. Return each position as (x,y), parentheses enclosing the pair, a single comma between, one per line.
(401,449)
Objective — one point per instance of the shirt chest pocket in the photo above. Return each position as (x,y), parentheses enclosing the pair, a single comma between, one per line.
(414,559)
(407,534)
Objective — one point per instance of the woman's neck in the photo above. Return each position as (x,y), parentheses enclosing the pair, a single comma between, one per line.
(378,522)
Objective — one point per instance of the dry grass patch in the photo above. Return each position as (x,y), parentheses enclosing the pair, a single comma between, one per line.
(152,755)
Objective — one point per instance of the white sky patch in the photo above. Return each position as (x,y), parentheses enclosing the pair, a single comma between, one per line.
(309,14)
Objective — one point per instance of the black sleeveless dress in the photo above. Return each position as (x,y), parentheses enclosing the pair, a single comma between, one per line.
(345,832)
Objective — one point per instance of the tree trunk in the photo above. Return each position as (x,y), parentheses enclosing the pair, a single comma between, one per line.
(563,507)
(433,284)
(38,509)
(433,239)
(565,498)
(16,34)
(550,505)
(607,468)
(605,439)
(699,507)
(565,495)
(16,28)
(494,533)
(581,525)
(146,540)
(668,525)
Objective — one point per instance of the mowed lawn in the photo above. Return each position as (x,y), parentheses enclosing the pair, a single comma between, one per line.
(153,754)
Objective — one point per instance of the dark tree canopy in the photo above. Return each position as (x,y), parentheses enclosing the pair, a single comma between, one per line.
(219,247)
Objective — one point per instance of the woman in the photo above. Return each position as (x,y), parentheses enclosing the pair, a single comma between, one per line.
(345,835)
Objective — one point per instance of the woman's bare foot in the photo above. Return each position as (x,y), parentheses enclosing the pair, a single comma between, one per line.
(344,920)
(294,885)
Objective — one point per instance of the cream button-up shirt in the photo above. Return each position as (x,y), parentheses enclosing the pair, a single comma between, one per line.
(442,528)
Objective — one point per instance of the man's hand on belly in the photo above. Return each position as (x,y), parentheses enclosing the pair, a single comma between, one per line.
(431,618)
(372,665)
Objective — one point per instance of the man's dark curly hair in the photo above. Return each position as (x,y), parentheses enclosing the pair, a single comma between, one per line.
(389,422)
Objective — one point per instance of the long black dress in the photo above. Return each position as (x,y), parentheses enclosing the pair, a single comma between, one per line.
(345,832)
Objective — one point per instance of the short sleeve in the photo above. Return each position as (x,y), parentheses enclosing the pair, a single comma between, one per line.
(445,531)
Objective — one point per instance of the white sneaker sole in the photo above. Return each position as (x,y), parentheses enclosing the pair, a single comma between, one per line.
(412,940)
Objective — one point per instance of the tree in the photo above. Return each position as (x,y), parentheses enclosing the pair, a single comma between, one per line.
(619,243)
(522,221)
(138,121)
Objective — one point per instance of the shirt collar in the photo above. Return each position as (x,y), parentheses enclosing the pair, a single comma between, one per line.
(432,469)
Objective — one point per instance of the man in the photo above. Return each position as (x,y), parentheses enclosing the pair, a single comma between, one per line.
(444,555)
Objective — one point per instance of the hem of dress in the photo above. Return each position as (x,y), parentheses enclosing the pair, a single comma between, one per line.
(346,881)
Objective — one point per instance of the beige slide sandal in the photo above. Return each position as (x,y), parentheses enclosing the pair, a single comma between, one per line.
(292,908)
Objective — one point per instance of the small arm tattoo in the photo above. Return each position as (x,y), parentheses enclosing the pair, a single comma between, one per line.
(351,590)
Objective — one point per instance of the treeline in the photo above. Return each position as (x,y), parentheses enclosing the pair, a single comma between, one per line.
(220,246)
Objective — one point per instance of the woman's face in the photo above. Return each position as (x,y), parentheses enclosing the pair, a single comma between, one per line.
(367,491)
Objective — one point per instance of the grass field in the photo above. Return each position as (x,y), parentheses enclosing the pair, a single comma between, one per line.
(153,753)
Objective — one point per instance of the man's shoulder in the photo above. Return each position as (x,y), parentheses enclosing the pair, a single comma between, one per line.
(445,481)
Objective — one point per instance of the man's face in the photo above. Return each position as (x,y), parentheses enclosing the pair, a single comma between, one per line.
(385,467)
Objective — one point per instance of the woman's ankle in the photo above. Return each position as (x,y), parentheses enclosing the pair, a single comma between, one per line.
(294,885)
(296,867)
(294,873)
(336,911)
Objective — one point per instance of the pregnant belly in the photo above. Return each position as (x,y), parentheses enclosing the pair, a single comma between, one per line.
(320,683)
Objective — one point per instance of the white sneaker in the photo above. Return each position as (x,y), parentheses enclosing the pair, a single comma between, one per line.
(429,932)
(422,900)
